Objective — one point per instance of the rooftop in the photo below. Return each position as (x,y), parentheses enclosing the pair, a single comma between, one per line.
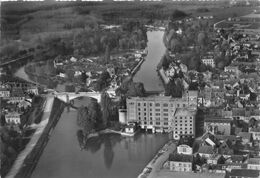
(244,173)
(180,158)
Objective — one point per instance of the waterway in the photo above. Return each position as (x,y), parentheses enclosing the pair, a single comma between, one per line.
(106,156)
(147,73)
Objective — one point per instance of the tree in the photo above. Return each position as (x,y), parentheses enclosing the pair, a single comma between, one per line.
(105,107)
(85,119)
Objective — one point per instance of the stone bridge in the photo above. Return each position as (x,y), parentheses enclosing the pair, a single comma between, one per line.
(67,96)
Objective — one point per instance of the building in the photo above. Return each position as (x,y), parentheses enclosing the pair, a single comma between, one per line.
(4,93)
(122,116)
(232,69)
(17,95)
(206,151)
(255,133)
(163,113)
(218,125)
(246,137)
(180,162)
(253,163)
(185,146)
(242,173)
(13,117)
(208,60)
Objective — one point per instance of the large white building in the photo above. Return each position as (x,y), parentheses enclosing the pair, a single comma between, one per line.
(163,113)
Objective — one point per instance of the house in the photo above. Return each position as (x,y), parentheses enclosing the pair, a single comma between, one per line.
(73,59)
(13,117)
(238,159)
(232,69)
(130,128)
(242,173)
(206,151)
(255,133)
(62,75)
(208,60)
(33,90)
(17,95)
(218,125)
(245,137)
(185,146)
(213,159)
(4,93)
(253,163)
(180,162)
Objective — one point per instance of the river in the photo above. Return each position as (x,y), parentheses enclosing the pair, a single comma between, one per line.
(107,156)
(147,73)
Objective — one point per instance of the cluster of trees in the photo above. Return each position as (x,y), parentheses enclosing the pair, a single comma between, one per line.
(89,117)
(174,88)
(130,88)
(11,144)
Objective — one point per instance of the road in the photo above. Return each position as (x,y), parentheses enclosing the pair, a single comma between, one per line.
(35,137)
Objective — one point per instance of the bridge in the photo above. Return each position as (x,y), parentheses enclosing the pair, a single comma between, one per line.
(67,96)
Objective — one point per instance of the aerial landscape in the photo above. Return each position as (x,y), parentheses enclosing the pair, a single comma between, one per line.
(130,89)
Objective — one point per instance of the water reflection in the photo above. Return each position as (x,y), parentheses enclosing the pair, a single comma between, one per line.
(94,144)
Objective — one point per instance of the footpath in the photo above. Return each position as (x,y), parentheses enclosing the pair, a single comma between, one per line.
(154,166)
(18,164)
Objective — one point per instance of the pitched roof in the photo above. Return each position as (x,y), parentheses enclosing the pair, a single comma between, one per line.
(244,135)
(218,120)
(236,158)
(180,158)
(206,149)
(244,173)
(253,161)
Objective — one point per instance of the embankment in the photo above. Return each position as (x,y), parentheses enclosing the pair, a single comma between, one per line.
(32,158)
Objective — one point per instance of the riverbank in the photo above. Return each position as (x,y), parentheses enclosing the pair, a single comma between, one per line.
(27,159)
(154,166)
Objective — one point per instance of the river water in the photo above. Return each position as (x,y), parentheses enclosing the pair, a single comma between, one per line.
(107,156)
(147,73)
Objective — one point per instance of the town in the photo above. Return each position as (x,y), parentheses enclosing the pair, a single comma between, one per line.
(207,104)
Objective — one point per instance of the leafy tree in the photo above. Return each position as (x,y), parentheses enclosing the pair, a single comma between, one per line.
(85,119)
(105,107)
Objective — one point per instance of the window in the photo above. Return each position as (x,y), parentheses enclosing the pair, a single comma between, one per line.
(151,123)
(165,114)
(178,105)
(151,118)
(145,122)
(157,123)
(180,117)
(165,123)
(144,118)
(165,105)
(139,118)
(157,110)
(151,104)
(138,104)
(139,109)
(144,109)
(139,113)
(144,104)
(157,104)
(145,113)
(151,114)
(165,110)
(157,114)
(183,105)
(165,119)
